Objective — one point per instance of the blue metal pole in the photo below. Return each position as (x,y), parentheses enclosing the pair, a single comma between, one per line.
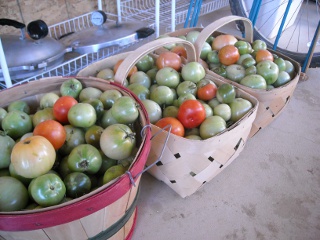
(256,12)
(281,25)
(311,48)
(188,14)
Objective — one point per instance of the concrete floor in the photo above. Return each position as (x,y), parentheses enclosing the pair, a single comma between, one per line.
(271,191)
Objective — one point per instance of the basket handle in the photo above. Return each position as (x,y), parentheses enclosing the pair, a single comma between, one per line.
(211,28)
(149,47)
(165,128)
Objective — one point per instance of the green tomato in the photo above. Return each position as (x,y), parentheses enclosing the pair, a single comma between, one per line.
(223,110)
(16,124)
(193,71)
(106,163)
(48,100)
(251,70)
(47,190)
(206,48)
(259,44)
(153,109)
(212,126)
(77,184)
(212,57)
(243,47)
(3,113)
(124,110)
(85,158)
(19,105)
(140,90)
(213,102)
(92,135)
(192,36)
(107,119)
(282,79)
(220,71)
(74,137)
(268,70)
(168,76)
(106,74)
(162,95)
(290,68)
(108,97)
(82,115)
(113,172)
(186,87)
(281,63)
(88,93)
(243,57)
(42,115)
(226,93)
(6,143)
(141,78)
(170,111)
(14,174)
(235,72)
(97,105)
(145,63)
(71,87)
(14,195)
(254,81)
(248,62)
(239,107)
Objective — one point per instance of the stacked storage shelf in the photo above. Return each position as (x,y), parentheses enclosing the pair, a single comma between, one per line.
(170,12)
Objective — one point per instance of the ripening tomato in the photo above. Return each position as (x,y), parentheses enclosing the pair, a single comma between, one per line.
(223,40)
(53,131)
(263,54)
(180,50)
(61,108)
(191,113)
(207,92)
(132,70)
(228,55)
(176,126)
(169,59)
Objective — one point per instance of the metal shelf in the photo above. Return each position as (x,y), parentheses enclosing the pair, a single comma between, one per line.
(171,13)
(74,62)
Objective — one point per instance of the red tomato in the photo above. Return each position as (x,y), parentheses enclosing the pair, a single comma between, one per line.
(52,131)
(263,54)
(180,50)
(169,59)
(133,70)
(228,55)
(176,126)
(191,113)
(61,108)
(207,92)
(223,40)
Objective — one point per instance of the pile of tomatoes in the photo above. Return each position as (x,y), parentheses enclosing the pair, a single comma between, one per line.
(78,139)
(181,96)
(249,64)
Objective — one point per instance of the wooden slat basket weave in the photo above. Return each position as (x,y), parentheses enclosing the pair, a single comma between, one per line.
(186,165)
(109,212)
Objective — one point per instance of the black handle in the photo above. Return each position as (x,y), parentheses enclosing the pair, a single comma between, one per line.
(13,23)
(144,32)
(37,29)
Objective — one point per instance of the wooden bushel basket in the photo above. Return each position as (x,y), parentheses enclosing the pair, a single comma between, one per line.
(187,164)
(108,212)
(271,102)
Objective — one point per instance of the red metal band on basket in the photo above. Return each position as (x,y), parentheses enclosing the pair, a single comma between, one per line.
(77,210)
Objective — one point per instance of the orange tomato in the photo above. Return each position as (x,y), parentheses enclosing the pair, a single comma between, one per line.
(53,131)
(176,126)
(180,50)
(263,54)
(207,92)
(116,66)
(228,55)
(169,59)
(223,40)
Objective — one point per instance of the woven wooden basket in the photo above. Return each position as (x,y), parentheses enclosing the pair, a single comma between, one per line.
(186,165)
(271,102)
(108,212)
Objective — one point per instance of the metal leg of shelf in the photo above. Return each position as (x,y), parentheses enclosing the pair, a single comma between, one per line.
(173,15)
(157,18)
(281,25)
(311,49)
(4,67)
(119,10)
